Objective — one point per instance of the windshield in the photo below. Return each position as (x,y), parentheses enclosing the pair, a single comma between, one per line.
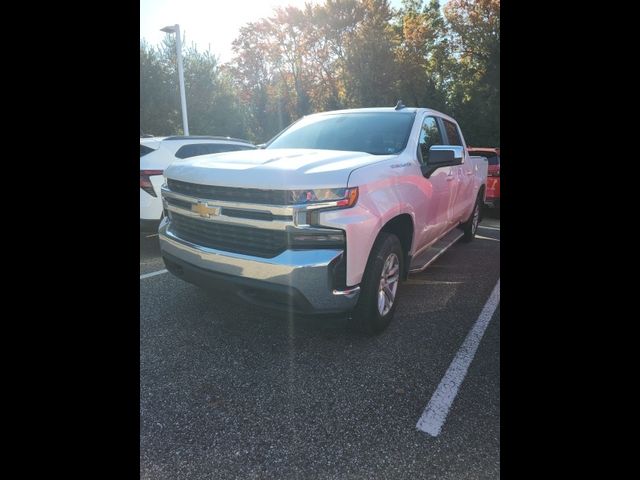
(382,133)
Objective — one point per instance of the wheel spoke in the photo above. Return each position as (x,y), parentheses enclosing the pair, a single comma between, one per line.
(393,279)
(388,283)
(381,302)
(388,293)
(387,267)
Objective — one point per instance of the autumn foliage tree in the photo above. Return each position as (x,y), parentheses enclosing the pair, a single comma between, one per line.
(474,94)
(339,54)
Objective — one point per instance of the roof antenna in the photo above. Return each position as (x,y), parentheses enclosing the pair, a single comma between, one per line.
(400,105)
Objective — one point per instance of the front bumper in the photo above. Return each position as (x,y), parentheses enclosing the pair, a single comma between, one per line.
(296,280)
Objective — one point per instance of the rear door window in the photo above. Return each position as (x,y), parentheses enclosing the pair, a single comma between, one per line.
(452,133)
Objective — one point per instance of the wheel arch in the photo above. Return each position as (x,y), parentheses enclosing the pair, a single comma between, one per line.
(402,227)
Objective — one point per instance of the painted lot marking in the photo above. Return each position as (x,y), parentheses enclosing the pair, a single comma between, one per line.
(153,274)
(488,238)
(489,228)
(437,409)
(412,281)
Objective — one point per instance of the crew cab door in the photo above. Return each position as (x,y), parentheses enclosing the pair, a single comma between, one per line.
(439,186)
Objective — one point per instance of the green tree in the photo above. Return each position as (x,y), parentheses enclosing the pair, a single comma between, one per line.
(213,104)
(370,63)
(159,107)
(423,56)
(475,89)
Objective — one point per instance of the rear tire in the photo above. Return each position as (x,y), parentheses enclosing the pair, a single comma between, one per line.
(380,285)
(471,226)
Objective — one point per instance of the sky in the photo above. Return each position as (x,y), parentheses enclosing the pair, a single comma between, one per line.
(210,24)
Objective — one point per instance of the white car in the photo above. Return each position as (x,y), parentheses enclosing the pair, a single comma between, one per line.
(157,153)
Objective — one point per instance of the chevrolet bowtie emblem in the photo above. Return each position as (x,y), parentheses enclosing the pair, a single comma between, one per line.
(204,210)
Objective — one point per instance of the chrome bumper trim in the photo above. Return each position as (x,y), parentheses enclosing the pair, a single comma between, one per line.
(305,270)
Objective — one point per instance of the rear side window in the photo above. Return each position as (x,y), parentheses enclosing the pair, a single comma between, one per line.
(452,133)
(144,150)
(195,149)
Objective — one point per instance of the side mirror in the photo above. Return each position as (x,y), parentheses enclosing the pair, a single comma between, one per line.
(442,156)
(445,155)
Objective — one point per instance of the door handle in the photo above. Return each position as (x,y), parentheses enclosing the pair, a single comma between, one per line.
(450,177)
(470,172)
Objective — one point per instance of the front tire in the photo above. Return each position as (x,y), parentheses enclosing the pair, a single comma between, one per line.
(380,285)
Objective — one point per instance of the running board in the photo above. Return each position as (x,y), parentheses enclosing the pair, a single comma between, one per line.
(424,259)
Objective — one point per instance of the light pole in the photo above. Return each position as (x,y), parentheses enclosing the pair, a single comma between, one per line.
(183,100)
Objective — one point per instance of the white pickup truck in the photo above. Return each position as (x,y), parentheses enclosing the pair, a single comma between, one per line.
(330,216)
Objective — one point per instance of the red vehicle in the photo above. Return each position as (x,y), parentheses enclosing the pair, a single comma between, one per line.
(493,175)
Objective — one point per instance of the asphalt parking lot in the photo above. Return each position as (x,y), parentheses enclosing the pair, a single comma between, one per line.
(230,391)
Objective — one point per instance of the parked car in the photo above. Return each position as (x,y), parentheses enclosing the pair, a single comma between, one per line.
(330,216)
(156,153)
(493,180)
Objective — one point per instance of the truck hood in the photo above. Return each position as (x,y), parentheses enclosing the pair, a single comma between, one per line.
(277,169)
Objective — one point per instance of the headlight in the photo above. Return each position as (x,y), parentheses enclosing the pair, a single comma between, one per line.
(311,202)
(337,197)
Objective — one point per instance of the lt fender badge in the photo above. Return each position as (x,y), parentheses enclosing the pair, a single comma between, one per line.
(398,165)
(204,210)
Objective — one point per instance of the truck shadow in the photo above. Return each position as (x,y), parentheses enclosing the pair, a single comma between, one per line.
(246,317)
(491,213)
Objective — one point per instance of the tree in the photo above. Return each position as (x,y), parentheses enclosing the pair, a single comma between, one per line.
(159,106)
(213,105)
(475,35)
(338,54)
(422,55)
(370,64)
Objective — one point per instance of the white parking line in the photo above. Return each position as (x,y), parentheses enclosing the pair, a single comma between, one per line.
(153,274)
(489,228)
(412,281)
(488,238)
(437,409)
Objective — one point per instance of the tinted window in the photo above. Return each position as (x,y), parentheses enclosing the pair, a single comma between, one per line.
(144,150)
(381,133)
(195,149)
(429,135)
(452,133)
